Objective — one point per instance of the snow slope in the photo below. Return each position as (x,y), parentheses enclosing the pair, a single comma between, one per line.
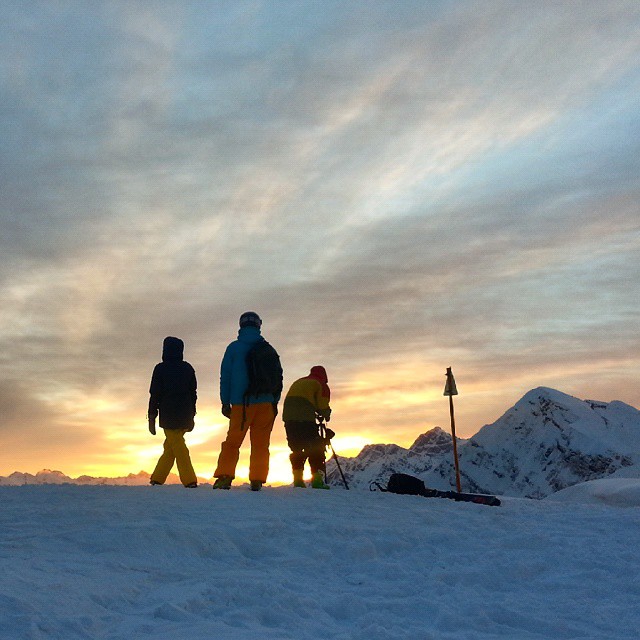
(620,489)
(612,491)
(110,563)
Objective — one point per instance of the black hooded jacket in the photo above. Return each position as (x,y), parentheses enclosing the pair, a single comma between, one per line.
(173,388)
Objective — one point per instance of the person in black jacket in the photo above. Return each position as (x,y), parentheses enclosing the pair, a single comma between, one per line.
(173,395)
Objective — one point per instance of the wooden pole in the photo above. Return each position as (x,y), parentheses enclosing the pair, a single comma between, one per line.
(451,387)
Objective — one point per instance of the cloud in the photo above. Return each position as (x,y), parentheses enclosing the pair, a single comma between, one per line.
(395,188)
(36,429)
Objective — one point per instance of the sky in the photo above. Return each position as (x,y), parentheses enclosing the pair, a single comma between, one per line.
(395,187)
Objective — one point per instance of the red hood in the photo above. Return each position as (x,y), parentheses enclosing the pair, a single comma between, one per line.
(320,374)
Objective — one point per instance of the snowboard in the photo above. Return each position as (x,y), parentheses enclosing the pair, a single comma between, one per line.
(477,498)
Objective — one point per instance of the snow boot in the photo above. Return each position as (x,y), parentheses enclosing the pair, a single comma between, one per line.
(256,485)
(191,485)
(154,483)
(223,482)
(317,481)
(297,479)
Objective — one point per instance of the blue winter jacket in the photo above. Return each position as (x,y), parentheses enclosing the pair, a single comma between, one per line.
(234,378)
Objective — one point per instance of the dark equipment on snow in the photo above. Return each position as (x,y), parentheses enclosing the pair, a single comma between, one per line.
(326,434)
(403,483)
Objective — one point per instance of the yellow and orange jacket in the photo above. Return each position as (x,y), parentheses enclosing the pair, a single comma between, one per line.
(307,397)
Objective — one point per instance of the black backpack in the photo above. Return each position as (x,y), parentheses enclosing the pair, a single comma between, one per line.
(264,369)
(406,484)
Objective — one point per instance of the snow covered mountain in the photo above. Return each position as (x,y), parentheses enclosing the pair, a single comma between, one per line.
(546,442)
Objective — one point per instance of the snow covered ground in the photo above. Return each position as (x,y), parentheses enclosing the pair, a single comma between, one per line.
(168,563)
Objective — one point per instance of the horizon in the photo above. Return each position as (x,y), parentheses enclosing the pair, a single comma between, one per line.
(283,478)
(395,188)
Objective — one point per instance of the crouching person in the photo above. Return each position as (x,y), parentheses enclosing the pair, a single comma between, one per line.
(307,399)
(173,396)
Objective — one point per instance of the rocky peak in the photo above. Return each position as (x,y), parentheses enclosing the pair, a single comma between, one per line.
(434,442)
(372,452)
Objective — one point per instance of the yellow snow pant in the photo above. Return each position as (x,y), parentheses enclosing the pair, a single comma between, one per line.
(175,450)
(258,421)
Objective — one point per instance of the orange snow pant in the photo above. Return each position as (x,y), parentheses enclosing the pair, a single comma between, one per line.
(175,450)
(258,421)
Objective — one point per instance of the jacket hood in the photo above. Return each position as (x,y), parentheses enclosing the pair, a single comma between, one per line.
(172,349)
(319,373)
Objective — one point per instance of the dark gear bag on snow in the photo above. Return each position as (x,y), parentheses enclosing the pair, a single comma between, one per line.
(406,484)
(264,370)
(403,483)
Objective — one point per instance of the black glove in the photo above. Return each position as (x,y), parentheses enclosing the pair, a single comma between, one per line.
(152,426)
(226,410)
(330,433)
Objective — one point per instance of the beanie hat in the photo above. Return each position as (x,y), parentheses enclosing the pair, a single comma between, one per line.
(250,319)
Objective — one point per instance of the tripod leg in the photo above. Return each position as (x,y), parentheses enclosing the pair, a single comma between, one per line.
(335,457)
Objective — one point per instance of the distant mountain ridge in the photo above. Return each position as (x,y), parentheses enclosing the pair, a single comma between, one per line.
(46,476)
(546,442)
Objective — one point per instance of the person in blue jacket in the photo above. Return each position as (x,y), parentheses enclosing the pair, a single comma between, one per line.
(255,414)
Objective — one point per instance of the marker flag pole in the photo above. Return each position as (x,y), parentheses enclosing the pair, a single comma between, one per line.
(451,390)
